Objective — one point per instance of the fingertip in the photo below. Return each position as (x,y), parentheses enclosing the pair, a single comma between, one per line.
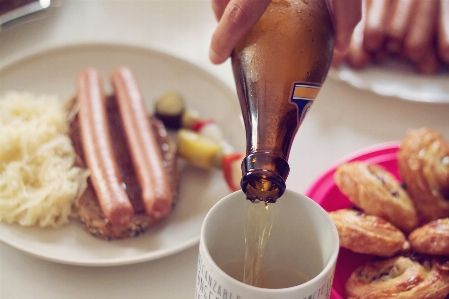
(238,18)
(215,58)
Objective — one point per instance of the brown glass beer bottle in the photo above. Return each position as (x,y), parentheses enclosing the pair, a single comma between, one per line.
(279,68)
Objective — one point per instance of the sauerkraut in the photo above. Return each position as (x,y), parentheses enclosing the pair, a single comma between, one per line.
(38,179)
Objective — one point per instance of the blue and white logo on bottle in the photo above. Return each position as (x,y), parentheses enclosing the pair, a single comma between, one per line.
(303,95)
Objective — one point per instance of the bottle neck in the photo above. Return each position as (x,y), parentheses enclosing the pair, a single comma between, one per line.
(264,176)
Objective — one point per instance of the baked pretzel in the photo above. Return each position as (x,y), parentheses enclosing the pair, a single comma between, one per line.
(399,277)
(377,192)
(368,234)
(423,160)
(432,238)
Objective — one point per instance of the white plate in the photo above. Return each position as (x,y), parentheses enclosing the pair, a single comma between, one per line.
(397,80)
(54,72)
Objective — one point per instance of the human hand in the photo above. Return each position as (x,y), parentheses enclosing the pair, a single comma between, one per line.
(237,17)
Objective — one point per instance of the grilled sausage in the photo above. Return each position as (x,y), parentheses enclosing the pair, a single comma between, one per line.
(356,56)
(375,28)
(397,24)
(146,156)
(429,64)
(443,31)
(421,30)
(99,156)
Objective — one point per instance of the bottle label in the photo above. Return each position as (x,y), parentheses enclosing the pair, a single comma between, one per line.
(303,95)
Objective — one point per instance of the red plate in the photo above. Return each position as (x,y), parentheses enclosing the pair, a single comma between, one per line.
(326,193)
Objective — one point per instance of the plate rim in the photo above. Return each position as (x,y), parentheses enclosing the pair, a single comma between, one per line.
(148,50)
(335,73)
(153,255)
(33,53)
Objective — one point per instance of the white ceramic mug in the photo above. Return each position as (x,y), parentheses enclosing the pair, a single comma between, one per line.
(303,238)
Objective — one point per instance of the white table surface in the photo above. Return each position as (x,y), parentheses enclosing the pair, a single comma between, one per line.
(342,120)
